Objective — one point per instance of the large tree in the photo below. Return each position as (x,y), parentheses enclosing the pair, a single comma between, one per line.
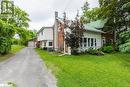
(112,11)
(73,38)
(13,20)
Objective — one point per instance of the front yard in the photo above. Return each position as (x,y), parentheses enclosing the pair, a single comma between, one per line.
(111,70)
(15,48)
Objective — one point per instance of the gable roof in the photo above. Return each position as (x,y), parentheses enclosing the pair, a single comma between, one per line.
(95,26)
(44,28)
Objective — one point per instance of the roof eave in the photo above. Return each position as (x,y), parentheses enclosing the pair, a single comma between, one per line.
(96,31)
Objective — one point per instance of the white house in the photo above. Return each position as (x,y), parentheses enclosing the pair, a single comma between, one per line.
(45,37)
(54,37)
(92,38)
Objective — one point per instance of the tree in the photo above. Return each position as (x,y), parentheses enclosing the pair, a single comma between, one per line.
(124,41)
(124,37)
(73,38)
(13,23)
(7,31)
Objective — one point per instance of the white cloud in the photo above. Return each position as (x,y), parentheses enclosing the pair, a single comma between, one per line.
(42,11)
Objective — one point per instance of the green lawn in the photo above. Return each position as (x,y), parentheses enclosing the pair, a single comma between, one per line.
(111,70)
(15,48)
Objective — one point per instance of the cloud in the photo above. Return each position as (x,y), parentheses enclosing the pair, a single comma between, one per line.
(93,3)
(42,11)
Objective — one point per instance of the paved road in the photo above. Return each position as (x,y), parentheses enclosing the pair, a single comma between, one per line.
(26,69)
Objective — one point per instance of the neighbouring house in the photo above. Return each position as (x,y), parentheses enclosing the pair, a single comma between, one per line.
(45,38)
(54,37)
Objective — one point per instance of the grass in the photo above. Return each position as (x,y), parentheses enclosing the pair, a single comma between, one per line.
(15,48)
(111,70)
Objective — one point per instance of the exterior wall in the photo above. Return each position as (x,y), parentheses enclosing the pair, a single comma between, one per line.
(109,38)
(55,32)
(96,39)
(46,44)
(45,36)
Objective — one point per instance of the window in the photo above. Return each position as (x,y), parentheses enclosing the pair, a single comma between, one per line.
(85,45)
(44,44)
(95,42)
(50,43)
(92,42)
(88,42)
(85,42)
(111,40)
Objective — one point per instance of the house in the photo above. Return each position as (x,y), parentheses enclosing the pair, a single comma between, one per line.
(45,38)
(54,37)
(92,38)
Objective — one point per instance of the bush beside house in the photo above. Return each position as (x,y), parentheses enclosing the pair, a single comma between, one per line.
(94,52)
(107,49)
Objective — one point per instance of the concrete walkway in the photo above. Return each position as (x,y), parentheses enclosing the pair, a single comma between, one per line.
(26,69)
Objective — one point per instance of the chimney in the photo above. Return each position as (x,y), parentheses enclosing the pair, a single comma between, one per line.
(64,16)
(56,14)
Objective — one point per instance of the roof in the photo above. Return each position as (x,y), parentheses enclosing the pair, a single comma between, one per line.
(60,19)
(95,26)
(44,28)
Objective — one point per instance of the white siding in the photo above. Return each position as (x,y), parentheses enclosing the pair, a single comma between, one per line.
(93,35)
(56,35)
(46,34)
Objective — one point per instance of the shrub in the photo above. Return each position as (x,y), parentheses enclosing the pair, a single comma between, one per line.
(108,49)
(99,53)
(125,47)
(5,45)
(74,52)
(44,48)
(94,52)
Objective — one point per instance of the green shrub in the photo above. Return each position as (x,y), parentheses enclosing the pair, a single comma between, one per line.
(44,48)
(5,45)
(74,52)
(125,47)
(108,49)
(94,52)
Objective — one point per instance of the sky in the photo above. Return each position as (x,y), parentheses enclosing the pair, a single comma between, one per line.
(41,12)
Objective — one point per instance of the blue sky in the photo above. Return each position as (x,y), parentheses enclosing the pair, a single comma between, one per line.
(42,11)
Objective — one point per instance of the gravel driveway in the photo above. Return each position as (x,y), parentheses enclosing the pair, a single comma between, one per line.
(26,69)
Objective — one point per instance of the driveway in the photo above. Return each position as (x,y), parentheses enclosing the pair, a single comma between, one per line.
(26,69)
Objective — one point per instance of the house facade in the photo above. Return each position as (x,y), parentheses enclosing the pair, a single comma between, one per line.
(54,37)
(45,37)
